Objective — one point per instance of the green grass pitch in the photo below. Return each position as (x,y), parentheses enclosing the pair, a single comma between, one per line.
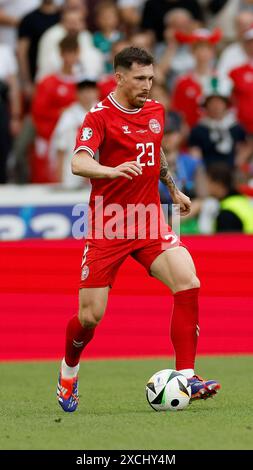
(113,412)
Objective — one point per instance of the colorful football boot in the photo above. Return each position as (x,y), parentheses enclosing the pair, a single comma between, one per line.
(67,393)
(202,389)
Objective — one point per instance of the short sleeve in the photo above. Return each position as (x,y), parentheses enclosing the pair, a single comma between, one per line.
(24,29)
(91,134)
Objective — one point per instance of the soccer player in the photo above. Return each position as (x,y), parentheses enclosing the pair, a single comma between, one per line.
(127,130)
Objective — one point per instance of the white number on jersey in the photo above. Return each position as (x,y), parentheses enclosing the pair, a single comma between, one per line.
(148,150)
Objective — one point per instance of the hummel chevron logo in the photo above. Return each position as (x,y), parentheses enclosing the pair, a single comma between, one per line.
(86,249)
(99,106)
(77,344)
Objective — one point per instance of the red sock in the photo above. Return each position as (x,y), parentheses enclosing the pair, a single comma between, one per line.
(184,327)
(77,337)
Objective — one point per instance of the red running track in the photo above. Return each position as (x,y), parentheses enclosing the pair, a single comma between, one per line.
(39,286)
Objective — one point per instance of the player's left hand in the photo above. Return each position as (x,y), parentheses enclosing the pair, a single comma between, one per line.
(184,201)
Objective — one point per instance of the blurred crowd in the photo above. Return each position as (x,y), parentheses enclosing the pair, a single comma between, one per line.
(56,61)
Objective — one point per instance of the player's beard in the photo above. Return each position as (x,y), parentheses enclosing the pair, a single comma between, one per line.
(140,100)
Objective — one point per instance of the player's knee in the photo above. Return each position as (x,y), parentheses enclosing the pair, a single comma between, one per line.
(90,316)
(189,282)
(195,283)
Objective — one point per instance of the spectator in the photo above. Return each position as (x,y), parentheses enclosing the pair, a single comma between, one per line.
(107,20)
(53,94)
(144,40)
(218,137)
(30,30)
(11,12)
(188,171)
(9,106)
(77,5)
(221,14)
(131,13)
(155,11)
(174,58)
(246,5)
(64,136)
(224,17)
(49,59)
(107,83)
(188,88)
(235,211)
(235,54)
(188,174)
(242,78)
(91,7)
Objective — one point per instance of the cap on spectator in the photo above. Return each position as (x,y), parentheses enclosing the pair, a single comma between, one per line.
(199,35)
(248,34)
(216,86)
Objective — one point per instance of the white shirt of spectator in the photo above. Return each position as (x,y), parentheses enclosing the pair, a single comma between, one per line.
(64,138)
(8,63)
(17,9)
(233,56)
(49,59)
(139,4)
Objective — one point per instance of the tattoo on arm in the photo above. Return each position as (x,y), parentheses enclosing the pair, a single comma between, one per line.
(165,175)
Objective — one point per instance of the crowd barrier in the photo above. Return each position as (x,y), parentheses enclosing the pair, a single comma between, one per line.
(39,292)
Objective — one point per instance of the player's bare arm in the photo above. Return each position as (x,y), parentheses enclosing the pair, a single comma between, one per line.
(84,165)
(177,196)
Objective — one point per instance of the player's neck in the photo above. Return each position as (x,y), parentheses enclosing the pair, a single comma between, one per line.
(122,100)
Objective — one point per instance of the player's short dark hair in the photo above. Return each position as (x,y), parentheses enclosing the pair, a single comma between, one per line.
(86,83)
(129,55)
(69,43)
(222,173)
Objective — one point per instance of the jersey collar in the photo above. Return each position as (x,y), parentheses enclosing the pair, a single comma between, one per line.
(121,108)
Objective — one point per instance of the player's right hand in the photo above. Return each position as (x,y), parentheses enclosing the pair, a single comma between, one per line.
(126,169)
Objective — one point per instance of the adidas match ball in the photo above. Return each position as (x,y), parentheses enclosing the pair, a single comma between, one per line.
(168,390)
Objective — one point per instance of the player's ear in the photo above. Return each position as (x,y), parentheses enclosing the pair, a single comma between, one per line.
(119,77)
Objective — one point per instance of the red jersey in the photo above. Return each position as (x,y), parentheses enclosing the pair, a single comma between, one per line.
(243,94)
(186,99)
(122,135)
(53,94)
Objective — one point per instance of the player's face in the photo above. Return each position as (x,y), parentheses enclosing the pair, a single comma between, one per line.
(136,84)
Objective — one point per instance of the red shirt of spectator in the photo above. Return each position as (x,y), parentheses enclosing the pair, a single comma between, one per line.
(53,94)
(243,94)
(188,89)
(106,86)
(186,98)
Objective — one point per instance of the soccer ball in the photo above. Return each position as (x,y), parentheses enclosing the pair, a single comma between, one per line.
(168,390)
